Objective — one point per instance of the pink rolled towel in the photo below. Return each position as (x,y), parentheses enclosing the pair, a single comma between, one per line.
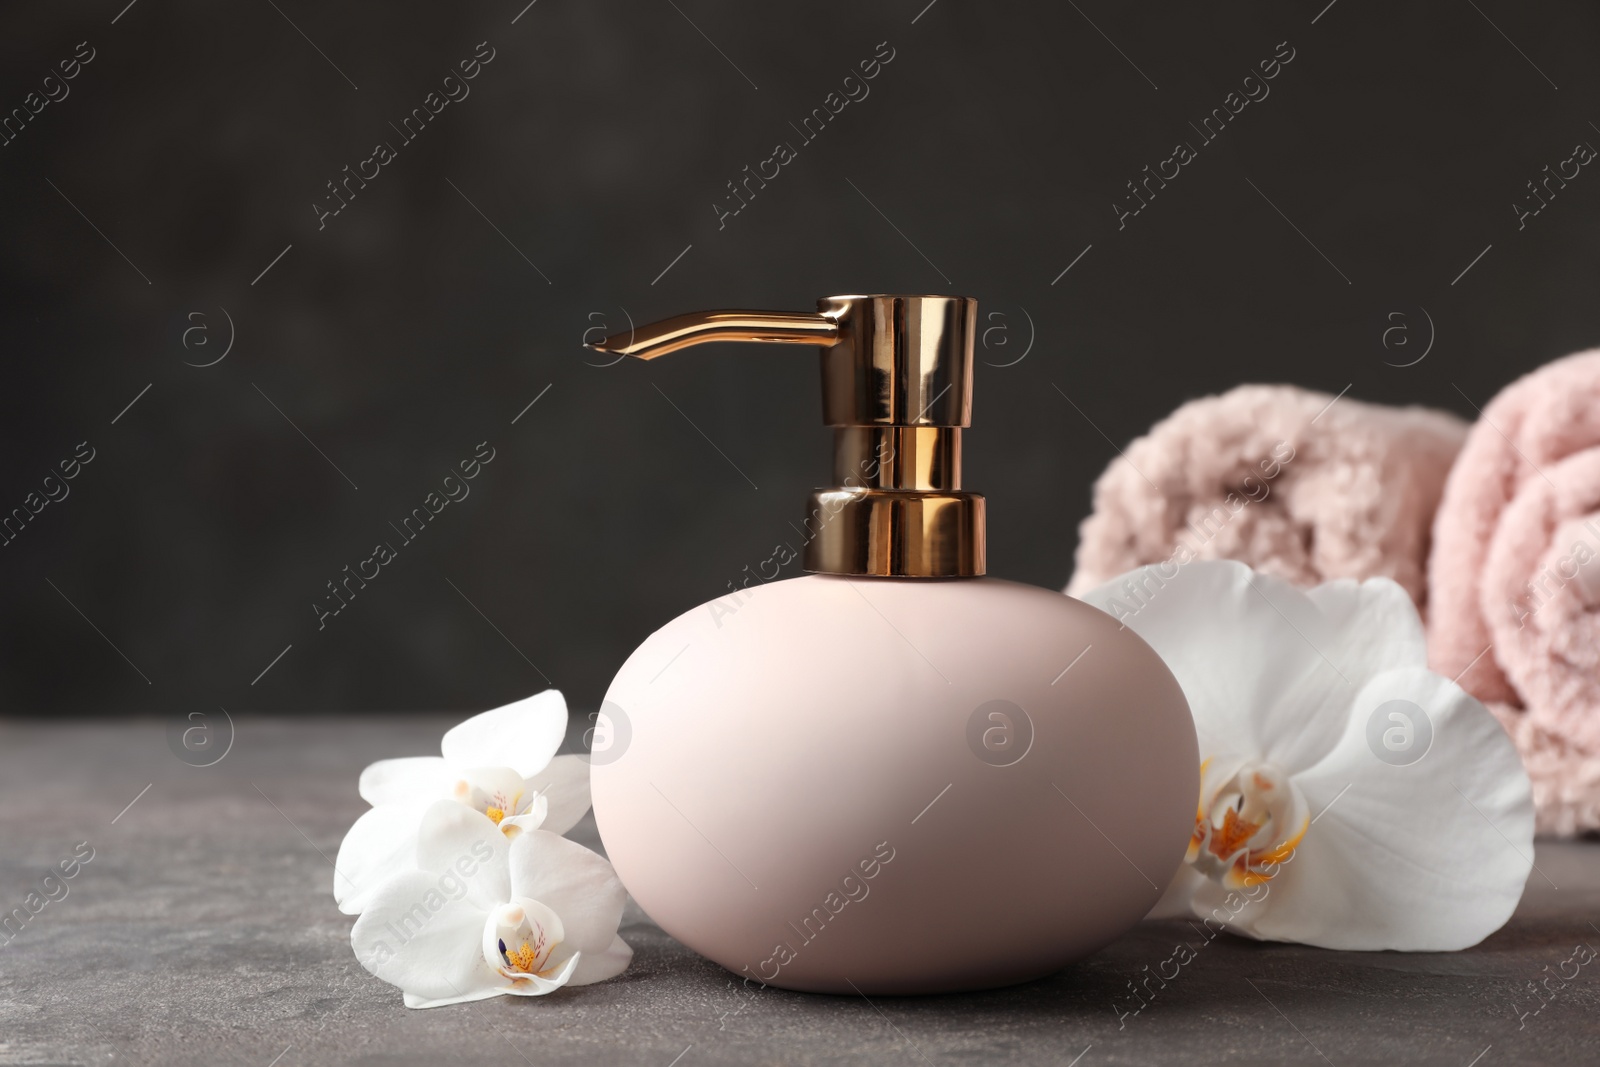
(1292,482)
(1515,579)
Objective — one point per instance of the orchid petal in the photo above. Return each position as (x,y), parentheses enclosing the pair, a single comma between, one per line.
(1177,901)
(1208,616)
(560,974)
(381,844)
(579,885)
(565,784)
(532,819)
(466,844)
(523,735)
(413,935)
(1430,856)
(391,781)
(599,966)
(1372,623)
(412,1000)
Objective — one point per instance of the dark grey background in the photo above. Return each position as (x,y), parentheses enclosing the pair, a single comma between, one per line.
(415,325)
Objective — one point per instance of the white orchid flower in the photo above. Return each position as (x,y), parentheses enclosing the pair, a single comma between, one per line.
(482,915)
(501,764)
(1349,797)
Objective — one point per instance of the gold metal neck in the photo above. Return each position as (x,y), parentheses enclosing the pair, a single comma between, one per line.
(897,389)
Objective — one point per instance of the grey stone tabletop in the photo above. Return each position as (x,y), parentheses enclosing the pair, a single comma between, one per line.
(202,930)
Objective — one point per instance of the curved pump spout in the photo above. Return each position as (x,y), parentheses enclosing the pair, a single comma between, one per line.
(669,335)
(897,391)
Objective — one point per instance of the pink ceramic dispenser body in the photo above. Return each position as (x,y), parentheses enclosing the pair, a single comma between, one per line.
(895,775)
(825,783)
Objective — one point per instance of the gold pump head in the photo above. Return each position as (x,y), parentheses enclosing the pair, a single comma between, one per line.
(897,390)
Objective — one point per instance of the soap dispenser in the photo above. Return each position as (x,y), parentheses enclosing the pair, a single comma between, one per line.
(891,775)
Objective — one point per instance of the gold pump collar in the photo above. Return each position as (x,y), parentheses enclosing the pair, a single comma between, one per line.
(897,389)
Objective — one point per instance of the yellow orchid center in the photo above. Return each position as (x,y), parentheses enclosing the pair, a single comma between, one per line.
(496,803)
(521,941)
(1250,819)
(523,958)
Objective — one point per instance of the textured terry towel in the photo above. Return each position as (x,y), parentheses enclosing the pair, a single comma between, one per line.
(1289,481)
(1515,579)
